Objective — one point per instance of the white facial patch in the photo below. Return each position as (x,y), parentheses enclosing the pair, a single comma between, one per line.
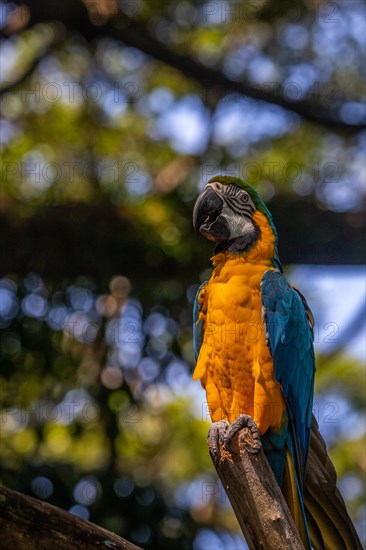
(238,209)
(239,224)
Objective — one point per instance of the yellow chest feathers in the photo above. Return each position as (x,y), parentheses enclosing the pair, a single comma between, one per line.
(234,364)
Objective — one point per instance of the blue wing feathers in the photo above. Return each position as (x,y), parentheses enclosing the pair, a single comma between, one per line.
(291,345)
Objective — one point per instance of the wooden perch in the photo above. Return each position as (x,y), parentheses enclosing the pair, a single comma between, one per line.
(30,524)
(253,491)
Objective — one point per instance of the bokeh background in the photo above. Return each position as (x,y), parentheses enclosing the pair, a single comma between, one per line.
(114,115)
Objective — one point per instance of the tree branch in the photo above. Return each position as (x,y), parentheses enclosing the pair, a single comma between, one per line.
(30,524)
(254,494)
(136,34)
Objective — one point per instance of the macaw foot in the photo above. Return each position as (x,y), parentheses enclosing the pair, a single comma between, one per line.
(216,434)
(252,444)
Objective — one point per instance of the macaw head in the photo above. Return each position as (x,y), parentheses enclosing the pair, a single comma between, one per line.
(225,213)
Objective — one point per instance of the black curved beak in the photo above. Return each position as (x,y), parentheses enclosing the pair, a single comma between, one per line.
(206,210)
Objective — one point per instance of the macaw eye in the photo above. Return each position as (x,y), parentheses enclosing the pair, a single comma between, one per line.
(245,198)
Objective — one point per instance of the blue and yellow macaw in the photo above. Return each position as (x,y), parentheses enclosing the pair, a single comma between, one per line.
(254,353)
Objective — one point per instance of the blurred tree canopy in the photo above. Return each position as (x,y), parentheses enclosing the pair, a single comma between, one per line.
(114,114)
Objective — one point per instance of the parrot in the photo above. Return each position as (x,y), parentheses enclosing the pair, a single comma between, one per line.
(254,354)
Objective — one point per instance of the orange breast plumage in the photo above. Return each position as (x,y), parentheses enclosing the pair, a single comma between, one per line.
(234,364)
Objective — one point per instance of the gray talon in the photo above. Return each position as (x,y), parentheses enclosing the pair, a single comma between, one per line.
(216,434)
(243,421)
